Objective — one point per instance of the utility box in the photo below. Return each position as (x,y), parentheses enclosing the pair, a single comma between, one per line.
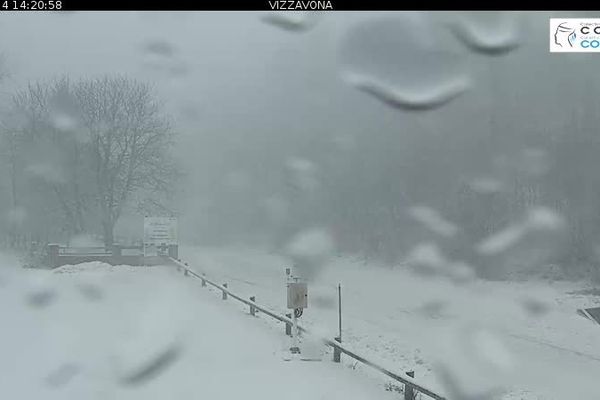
(297,295)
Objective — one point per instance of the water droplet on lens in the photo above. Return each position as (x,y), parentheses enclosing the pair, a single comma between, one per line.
(159,47)
(309,250)
(41,298)
(502,240)
(62,375)
(490,33)
(424,99)
(433,220)
(160,56)
(292,21)
(486,185)
(392,61)
(153,368)
(91,292)
(535,307)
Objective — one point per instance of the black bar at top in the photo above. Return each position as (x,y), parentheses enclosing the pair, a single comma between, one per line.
(289,5)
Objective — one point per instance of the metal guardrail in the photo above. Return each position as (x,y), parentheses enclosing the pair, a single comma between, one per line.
(405,380)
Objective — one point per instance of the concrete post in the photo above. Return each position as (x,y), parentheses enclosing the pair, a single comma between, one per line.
(116,250)
(53,255)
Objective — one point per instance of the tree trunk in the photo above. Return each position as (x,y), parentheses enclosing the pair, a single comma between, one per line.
(13,189)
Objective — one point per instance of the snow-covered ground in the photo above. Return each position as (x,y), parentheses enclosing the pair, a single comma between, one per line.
(464,339)
(93,331)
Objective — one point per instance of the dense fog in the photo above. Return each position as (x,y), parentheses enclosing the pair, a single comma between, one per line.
(385,131)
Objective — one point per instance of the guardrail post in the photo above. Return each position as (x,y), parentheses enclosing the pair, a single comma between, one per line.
(203,280)
(337,354)
(288,326)
(409,392)
(185,272)
(224,292)
(53,255)
(252,308)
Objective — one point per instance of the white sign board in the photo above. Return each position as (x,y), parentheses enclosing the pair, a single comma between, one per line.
(160,230)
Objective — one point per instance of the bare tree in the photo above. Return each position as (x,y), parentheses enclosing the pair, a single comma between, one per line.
(9,150)
(50,157)
(89,145)
(130,140)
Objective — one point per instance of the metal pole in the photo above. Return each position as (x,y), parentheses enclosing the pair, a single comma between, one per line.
(288,327)
(295,349)
(340,311)
(295,335)
(337,354)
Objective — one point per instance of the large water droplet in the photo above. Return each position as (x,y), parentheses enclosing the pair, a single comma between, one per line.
(491,33)
(391,59)
(433,220)
(503,240)
(486,185)
(302,174)
(309,250)
(429,98)
(427,259)
(292,21)
(161,56)
(316,242)
(65,113)
(543,218)
(474,363)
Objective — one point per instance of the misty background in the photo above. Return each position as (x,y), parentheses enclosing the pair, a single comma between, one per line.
(424,138)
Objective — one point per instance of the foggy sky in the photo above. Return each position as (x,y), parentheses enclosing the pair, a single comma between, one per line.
(246,95)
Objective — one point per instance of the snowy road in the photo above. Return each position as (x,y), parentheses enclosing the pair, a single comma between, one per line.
(482,331)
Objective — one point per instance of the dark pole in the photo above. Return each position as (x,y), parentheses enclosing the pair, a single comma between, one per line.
(340,310)
(409,392)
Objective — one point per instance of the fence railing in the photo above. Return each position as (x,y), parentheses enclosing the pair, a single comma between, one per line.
(57,255)
(411,386)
